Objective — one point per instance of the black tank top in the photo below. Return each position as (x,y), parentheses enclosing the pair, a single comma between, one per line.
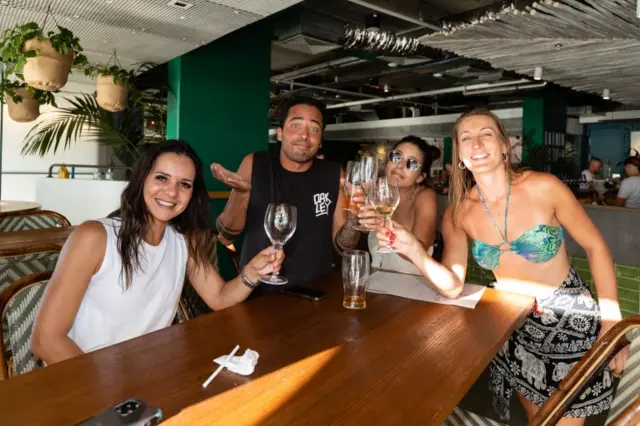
(309,252)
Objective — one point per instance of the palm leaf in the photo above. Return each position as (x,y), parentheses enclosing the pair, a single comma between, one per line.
(84,119)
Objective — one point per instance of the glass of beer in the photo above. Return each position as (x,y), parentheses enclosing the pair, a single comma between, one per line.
(351,181)
(355,274)
(385,197)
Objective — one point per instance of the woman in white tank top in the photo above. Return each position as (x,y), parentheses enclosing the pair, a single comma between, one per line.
(408,163)
(121,277)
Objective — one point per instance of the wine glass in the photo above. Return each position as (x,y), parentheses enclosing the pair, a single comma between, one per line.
(368,175)
(385,197)
(280,223)
(351,180)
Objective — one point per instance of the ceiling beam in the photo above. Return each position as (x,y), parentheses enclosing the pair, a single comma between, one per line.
(369,4)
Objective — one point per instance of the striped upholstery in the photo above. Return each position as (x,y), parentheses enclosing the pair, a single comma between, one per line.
(37,220)
(12,268)
(460,417)
(19,315)
(629,386)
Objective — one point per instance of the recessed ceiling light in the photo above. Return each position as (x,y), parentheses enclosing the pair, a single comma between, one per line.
(437,74)
(180,4)
(392,64)
(182,17)
(236,11)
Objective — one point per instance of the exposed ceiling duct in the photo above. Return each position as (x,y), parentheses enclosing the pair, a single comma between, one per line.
(374,40)
(308,31)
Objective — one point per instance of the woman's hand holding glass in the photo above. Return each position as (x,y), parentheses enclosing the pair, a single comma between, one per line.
(266,262)
(398,237)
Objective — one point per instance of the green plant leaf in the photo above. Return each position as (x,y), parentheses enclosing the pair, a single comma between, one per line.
(83,119)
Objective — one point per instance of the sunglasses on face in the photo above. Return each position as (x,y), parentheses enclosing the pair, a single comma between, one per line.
(396,157)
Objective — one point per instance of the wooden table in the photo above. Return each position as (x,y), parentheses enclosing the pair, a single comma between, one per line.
(7,207)
(24,239)
(397,362)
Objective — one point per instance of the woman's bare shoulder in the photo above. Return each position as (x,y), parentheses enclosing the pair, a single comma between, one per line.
(88,234)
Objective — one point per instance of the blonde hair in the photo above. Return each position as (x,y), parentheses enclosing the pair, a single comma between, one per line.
(461,179)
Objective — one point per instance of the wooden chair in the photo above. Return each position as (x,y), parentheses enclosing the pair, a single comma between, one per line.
(38,219)
(625,409)
(18,306)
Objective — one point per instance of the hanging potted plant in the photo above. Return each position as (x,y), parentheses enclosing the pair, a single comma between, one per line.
(45,61)
(23,102)
(115,84)
(112,90)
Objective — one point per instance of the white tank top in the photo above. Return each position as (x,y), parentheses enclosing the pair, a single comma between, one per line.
(109,314)
(391,261)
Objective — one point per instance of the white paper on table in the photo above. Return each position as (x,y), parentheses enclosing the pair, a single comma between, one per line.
(416,288)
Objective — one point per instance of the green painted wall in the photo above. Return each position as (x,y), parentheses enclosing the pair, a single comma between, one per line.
(532,124)
(219,103)
(448,153)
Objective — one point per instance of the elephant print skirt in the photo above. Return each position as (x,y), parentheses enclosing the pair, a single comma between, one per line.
(542,351)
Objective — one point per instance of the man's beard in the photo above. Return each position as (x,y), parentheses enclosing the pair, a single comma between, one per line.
(298,157)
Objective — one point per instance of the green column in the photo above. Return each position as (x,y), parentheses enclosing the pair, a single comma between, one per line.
(447,154)
(219,100)
(540,113)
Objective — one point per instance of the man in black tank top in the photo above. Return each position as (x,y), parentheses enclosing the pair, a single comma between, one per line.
(291,175)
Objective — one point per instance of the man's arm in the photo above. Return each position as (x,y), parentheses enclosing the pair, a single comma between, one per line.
(344,236)
(623,193)
(233,218)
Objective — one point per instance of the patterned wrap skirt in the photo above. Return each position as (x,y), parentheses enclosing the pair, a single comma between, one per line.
(541,352)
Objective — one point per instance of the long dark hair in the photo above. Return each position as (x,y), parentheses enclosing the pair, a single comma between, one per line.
(193,222)
(430,153)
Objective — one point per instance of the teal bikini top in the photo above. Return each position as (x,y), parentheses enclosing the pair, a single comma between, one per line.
(537,245)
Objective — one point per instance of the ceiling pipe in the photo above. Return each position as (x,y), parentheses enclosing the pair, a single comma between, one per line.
(315,69)
(395,14)
(458,89)
(326,89)
(505,89)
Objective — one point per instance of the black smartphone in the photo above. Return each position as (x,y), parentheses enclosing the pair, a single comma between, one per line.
(130,412)
(305,292)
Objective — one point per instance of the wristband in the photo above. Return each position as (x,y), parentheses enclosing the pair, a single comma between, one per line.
(246,281)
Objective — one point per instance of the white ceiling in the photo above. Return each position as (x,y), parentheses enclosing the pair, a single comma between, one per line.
(140,30)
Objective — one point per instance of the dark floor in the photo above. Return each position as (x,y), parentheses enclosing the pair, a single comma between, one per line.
(478,400)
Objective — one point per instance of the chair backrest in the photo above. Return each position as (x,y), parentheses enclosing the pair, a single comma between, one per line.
(26,221)
(18,263)
(629,387)
(18,306)
(591,364)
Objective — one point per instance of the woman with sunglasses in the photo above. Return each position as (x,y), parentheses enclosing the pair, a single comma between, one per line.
(515,222)
(408,166)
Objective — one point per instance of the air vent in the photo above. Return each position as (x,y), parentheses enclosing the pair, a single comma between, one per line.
(180,4)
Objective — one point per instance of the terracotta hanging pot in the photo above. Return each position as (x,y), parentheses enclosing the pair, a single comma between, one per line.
(25,111)
(111,96)
(48,70)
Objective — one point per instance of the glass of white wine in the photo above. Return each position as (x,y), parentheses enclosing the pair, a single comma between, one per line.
(280,223)
(368,176)
(385,197)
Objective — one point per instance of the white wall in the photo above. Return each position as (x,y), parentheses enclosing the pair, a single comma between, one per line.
(635,141)
(22,186)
